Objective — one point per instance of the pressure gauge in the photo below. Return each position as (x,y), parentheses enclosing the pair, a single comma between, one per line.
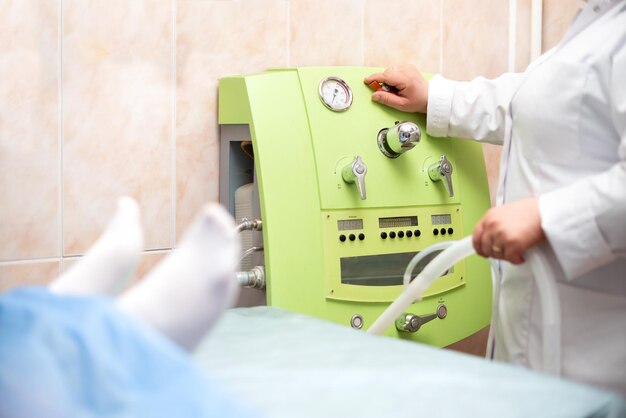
(335,94)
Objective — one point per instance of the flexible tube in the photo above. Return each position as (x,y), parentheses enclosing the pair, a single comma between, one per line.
(495,306)
(542,272)
(550,310)
(448,257)
(420,256)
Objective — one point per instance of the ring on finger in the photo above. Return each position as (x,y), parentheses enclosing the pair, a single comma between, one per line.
(496,249)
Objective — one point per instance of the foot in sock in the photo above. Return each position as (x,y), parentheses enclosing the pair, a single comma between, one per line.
(186,293)
(111,261)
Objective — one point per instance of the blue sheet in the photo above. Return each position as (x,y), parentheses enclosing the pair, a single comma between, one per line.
(291,365)
(81,357)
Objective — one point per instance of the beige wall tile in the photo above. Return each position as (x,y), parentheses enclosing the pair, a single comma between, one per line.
(492,154)
(27,274)
(403,32)
(117,80)
(475,38)
(557,16)
(29,142)
(326,32)
(216,39)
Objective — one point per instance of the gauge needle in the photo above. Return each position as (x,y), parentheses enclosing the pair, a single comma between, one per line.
(334,96)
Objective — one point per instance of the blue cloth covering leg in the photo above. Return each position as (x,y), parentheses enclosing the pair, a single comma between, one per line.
(77,356)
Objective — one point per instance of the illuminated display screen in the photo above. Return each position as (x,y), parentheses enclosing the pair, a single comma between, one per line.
(381,270)
(349,224)
(441,219)
(397,222)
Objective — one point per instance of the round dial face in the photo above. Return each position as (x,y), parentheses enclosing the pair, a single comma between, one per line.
(335,94)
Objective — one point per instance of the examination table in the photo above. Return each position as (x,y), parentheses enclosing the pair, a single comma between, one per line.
(290,365)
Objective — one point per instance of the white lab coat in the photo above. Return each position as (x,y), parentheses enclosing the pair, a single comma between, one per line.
(563,126)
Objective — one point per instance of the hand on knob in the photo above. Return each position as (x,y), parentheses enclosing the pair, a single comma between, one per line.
(411,88)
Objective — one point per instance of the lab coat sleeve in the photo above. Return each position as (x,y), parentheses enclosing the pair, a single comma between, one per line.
(474,109)
(585,222)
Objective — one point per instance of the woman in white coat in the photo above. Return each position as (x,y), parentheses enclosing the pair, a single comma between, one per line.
(563,186)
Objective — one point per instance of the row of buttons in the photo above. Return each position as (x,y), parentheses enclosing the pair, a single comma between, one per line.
(400,234)
(351,237)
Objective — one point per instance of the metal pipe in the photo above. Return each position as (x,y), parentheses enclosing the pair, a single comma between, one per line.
(249,225)
(255,278)
(250,251)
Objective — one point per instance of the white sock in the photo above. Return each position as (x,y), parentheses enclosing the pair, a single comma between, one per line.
(111,261)
(186,293)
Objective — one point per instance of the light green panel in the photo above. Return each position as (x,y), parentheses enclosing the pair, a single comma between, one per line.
(373,244)
(339,136)
(300,147)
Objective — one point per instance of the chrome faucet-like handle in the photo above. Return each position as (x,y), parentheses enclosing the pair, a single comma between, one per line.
(408,322)
(398,139)
(442,169)
(355,173)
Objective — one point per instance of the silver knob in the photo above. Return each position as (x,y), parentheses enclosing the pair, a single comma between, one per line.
(440,170)
(408,322)
(398,139)
(355,173)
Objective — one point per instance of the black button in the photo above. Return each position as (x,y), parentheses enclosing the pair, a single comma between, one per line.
(450,231)
(409,234)
(392,234)
(342,238)
(435,232)
(443,231)
(352,237)
(383,235)
(361,236)
(417,232)
(400,234)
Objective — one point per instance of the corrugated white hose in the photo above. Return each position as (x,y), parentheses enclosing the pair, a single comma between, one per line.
(446,259)
(550,310)
(461,249)
(495,306)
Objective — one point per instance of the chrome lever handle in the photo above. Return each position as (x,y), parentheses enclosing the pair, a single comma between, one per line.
(355,173)
(442,169)
(408,322)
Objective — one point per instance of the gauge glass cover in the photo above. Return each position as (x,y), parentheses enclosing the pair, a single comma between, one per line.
(335,94)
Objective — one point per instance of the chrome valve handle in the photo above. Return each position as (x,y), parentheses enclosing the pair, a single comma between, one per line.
(355,173)
(440,170)
(398,139)
(408,322)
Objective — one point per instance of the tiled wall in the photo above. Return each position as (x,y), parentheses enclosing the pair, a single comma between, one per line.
(104,98)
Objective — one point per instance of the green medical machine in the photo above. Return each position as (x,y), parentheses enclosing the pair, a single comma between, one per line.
(348,191)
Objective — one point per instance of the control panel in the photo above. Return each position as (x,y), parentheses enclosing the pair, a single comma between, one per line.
(349,191)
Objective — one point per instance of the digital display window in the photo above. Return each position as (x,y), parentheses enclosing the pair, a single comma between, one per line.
(441,219)
(349,224)
(397,222)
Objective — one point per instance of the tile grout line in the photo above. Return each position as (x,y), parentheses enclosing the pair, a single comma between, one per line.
(43,260)
(288,43)
(61,134)
(441,36)
(173,121)
(363,33)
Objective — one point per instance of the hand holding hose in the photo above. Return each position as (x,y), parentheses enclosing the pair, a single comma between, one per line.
(506,232)
(410,88)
